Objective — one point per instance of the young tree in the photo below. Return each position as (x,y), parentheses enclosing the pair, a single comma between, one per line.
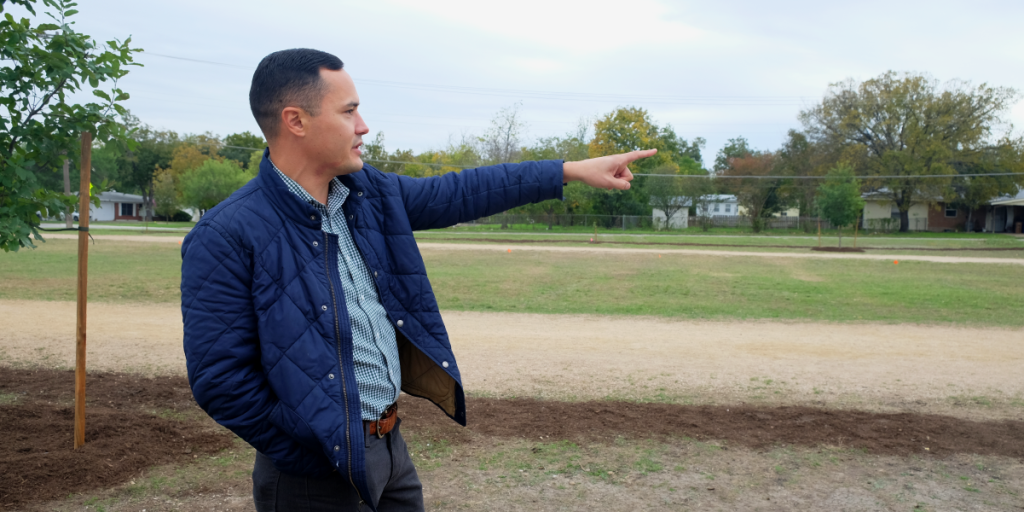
(165,196)
(206,186)
(43,66)
(839,200)
(906,126)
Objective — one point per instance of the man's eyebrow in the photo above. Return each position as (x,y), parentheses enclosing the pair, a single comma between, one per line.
(353,104)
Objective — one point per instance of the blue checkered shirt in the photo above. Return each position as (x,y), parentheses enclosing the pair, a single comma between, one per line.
(374,348)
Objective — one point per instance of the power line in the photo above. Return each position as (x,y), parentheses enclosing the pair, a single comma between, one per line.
(555,95)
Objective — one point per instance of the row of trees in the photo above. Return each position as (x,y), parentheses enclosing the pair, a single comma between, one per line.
(915,139)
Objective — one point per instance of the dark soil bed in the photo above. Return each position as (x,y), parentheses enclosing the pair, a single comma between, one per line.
(135,422)
(837,249)
(130,426)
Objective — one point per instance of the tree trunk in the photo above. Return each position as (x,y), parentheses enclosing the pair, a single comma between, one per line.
(968,227)
(904,221)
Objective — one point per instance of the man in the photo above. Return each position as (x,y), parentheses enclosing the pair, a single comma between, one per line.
(306,303)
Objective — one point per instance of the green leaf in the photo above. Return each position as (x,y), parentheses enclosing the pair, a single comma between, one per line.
(101,94)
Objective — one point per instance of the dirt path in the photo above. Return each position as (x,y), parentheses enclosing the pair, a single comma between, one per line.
(809,254)
(962,371)
(428,246)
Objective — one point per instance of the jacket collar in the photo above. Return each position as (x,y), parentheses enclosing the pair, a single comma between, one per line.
(295,208)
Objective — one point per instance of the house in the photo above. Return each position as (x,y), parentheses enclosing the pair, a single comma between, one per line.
(1005,214)
(720,205)
(998,216)
(117,206)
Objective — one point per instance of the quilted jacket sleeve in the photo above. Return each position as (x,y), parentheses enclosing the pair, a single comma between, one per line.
(221,343)
(442,201)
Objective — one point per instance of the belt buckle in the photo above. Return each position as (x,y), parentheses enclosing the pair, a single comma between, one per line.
(390,411)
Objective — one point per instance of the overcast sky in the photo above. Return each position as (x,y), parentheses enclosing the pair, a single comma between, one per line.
(429,71)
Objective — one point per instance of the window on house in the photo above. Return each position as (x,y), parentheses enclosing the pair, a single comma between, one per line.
(127,209)
(784,214)
(717,207)
(950,211)
(728,208)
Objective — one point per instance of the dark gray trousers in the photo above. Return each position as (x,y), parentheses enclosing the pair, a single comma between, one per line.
(394,485)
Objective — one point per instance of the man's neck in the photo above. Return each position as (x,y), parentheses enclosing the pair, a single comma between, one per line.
(313,180)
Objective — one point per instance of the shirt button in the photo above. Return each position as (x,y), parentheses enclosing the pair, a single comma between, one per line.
(330,376)
(315,243)
(324,307)
(444,364)
(400,323)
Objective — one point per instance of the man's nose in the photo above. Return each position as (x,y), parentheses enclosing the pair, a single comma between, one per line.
(361,128)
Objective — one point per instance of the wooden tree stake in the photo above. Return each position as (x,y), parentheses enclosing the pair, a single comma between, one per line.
(83,274)
(819,232)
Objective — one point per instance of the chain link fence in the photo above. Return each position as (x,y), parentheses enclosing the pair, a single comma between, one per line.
(640,222)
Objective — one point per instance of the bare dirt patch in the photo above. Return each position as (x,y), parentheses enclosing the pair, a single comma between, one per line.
(132,423)
(124,436)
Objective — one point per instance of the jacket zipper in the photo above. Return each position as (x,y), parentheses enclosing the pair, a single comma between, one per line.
(341,364)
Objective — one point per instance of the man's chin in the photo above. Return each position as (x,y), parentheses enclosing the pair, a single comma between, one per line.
(350,167)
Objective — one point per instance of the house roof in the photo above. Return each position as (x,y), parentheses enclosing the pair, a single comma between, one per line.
(1017,200)
(717,198)
(118,197)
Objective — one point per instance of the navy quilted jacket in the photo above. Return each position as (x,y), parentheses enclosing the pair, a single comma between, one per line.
(267,337)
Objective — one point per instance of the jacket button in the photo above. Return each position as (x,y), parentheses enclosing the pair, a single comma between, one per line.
(374,273)
(444,364)
(399,323)
(324,307)
(350,217)
(336,447)
(312,217)
(315,243)
(360,194)
(330,376)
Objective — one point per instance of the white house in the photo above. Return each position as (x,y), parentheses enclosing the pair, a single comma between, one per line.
(117,206)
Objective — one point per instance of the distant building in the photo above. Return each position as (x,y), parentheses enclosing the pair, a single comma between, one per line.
(1000,215)
(117,206)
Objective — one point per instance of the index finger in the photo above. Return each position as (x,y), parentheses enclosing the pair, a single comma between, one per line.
(633,156)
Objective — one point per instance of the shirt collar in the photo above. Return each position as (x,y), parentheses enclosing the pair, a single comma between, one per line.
(336,194)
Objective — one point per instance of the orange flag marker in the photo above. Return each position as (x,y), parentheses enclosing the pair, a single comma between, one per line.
(510,251)
(895,262)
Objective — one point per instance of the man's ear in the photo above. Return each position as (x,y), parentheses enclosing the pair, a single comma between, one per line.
(294,120)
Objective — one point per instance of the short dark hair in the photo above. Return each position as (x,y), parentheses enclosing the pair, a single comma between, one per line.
(288,78)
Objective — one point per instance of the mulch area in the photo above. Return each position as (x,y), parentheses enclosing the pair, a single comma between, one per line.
(135,422)
(837,249)
(689,244)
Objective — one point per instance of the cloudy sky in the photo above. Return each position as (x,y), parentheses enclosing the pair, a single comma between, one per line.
(432,71)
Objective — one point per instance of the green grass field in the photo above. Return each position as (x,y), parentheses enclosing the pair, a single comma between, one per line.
(679,286)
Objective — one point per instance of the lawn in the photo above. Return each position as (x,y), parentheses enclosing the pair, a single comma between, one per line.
(673,285)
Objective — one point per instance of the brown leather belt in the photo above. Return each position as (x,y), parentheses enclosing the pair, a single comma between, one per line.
(386,422)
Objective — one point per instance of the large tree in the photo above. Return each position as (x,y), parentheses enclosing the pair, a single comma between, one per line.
(909,125)
(43,66)
(631,129)
(760,197)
